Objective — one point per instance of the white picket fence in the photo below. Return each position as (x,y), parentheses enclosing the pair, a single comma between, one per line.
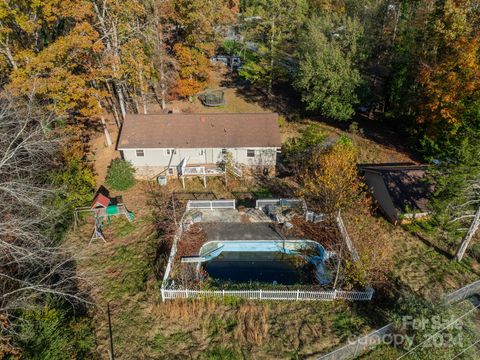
(211,204)
(168,294)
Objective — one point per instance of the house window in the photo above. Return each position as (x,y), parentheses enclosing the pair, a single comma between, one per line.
(170,151)
(201,152)
(250,153)
(170,171)
(224,151)
(139,153)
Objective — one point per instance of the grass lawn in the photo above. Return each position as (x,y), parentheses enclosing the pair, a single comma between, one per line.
(417,265)
(122,272)
(469,323)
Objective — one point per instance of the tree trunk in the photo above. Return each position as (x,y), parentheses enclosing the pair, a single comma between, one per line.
(113,103)
(135,103)
(108,138)
(397,18)
(142,92)
(161,53)
(272,41)
(115,115)
(121,101)
(5,50)
(163,86)
(466,240)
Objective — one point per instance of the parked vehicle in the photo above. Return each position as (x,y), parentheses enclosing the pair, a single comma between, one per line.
(235,62)
(220,58)
(230,61)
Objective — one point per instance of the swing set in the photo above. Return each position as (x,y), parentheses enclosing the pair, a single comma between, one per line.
(103,208)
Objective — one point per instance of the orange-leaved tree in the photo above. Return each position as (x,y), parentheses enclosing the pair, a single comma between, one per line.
(449,76)
(50,47)
(194,70)
(448,85)
(329,177)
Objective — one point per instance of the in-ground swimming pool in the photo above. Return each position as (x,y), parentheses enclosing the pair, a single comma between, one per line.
(285,262)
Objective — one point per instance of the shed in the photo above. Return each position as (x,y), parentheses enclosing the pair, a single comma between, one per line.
(401,190)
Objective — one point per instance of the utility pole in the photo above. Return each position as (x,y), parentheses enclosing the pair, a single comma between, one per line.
(110,334)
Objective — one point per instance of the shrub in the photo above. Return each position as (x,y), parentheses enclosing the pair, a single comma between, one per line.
(297,149)
(49,333)
(120,175)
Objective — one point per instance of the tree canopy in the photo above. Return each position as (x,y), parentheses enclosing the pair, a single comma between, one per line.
(328,75)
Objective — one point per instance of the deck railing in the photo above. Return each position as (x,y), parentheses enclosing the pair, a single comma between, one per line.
(201,170)
(211,204)
(294,203)
(194,170)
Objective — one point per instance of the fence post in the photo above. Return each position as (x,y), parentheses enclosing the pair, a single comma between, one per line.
(223,293)
(260,294)
(356,349)
(334,294)
(298,294)
(186,293)
(163,293)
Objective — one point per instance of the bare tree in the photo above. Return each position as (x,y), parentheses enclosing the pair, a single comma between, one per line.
(462,211)
(466,240)
(32,264)
(160,35)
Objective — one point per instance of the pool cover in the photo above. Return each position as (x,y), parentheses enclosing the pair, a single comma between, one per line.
(273,261)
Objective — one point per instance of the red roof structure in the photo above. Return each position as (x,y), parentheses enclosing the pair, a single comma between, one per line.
(100,201)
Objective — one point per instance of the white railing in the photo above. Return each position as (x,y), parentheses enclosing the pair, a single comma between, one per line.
(261,203)
(346,238)
(237,171)
(194,170)
(173,251)
(211,204)
(200,170)
(169,294)
(314,217)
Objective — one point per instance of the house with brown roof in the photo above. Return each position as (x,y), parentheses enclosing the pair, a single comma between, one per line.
(401,190)
(169,143)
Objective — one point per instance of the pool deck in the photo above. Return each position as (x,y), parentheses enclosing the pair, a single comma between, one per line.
(240,231)
(229,215)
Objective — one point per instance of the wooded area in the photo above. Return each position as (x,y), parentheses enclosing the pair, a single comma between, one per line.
(68,65)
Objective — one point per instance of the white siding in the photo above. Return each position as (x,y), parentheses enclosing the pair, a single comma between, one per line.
(159,157)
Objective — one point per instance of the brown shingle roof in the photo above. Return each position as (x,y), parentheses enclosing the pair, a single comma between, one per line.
(406,183)
(200,131)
